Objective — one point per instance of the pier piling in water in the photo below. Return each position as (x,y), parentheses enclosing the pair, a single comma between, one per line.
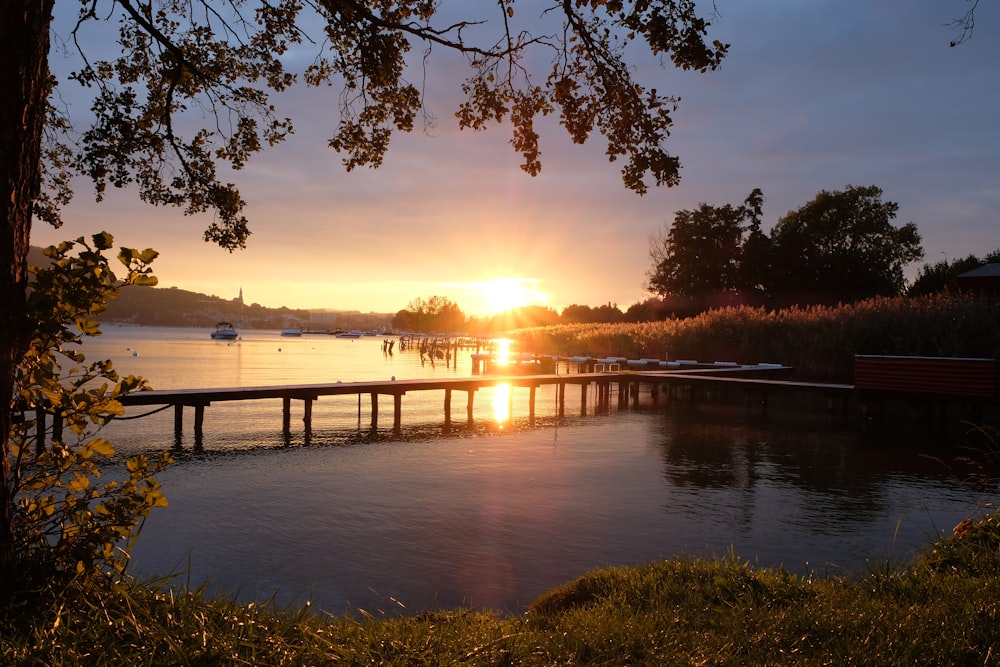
(627,382)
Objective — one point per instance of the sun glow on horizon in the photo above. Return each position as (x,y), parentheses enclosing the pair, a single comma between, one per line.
(502,294)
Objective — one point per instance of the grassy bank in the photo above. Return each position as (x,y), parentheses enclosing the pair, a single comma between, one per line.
(820,342)
(942,609)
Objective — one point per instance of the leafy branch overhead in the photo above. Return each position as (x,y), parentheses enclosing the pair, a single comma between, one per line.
(193,83)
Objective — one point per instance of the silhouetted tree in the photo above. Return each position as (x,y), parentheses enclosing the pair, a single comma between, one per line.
(701,255)
(841,246)
(436,314)
(577,314)
(403,321)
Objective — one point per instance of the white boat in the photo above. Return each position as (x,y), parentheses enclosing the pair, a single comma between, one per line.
(353,333)
(224,331)
(291,332)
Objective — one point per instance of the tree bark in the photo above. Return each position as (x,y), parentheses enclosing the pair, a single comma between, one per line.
(24,80)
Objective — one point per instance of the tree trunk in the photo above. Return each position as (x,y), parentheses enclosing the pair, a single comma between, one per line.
(24,80)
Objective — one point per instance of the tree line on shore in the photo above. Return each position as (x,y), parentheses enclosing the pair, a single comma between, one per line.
(839,248)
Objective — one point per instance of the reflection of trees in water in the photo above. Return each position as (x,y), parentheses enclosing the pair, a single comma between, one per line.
(804,473)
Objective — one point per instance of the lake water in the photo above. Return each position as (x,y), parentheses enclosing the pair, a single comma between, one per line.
(495,515)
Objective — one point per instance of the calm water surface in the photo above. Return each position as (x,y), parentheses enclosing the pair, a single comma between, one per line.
(495,516)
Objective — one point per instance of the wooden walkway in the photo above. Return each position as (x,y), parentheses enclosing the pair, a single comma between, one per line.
(752,379)
(199,399)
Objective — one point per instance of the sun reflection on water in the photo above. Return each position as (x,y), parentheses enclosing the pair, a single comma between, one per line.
(501,403)
(501,356)
(502,392)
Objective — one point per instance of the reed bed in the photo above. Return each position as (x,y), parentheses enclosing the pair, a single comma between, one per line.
(818,341)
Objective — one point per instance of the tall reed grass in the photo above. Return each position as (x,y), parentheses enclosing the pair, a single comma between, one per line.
(818,341)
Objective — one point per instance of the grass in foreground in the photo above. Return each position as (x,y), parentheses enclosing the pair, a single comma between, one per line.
(941,609)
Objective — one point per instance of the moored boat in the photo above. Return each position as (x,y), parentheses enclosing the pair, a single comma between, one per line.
(291,332)
(224,331)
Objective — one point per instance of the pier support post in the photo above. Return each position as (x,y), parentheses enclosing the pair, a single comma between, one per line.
(307,418)
(286,417)
(468,408)
(397,418)
(178,424)
(583,399)
(531,405)
(374,412)
(447,408)
(561,398)
(199,424)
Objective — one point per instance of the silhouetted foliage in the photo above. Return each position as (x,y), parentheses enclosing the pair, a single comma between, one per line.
(437,314)
(842,247)
(700,256)
(577,314)
(839,247)
(940,276)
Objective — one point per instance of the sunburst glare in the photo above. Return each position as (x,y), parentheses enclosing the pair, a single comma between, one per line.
(502,294)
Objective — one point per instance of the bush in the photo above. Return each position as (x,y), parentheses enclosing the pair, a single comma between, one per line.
(65,524)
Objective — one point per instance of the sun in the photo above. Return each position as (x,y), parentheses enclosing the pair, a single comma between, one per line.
(501,294)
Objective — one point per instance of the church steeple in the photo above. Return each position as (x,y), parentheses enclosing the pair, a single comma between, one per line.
(239,299)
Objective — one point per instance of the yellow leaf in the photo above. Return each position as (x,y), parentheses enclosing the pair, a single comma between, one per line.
(78,483)
(156,499)
(102,447)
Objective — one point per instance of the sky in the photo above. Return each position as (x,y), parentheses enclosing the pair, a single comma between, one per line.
(813,95)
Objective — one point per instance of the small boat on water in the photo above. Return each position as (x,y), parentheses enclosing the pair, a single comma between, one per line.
(224,331)
(291,332)
(353,333)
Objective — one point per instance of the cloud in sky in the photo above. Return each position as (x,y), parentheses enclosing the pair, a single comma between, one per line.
(814,95)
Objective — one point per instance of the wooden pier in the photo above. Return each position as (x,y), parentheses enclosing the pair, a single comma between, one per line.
(199,399)
(940,380)
(627,383)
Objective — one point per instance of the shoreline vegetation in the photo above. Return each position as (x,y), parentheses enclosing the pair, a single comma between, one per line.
(940,608)
(819,342)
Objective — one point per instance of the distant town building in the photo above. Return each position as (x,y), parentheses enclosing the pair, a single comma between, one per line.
(239,300)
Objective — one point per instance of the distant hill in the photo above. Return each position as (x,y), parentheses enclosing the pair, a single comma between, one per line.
(174,307)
